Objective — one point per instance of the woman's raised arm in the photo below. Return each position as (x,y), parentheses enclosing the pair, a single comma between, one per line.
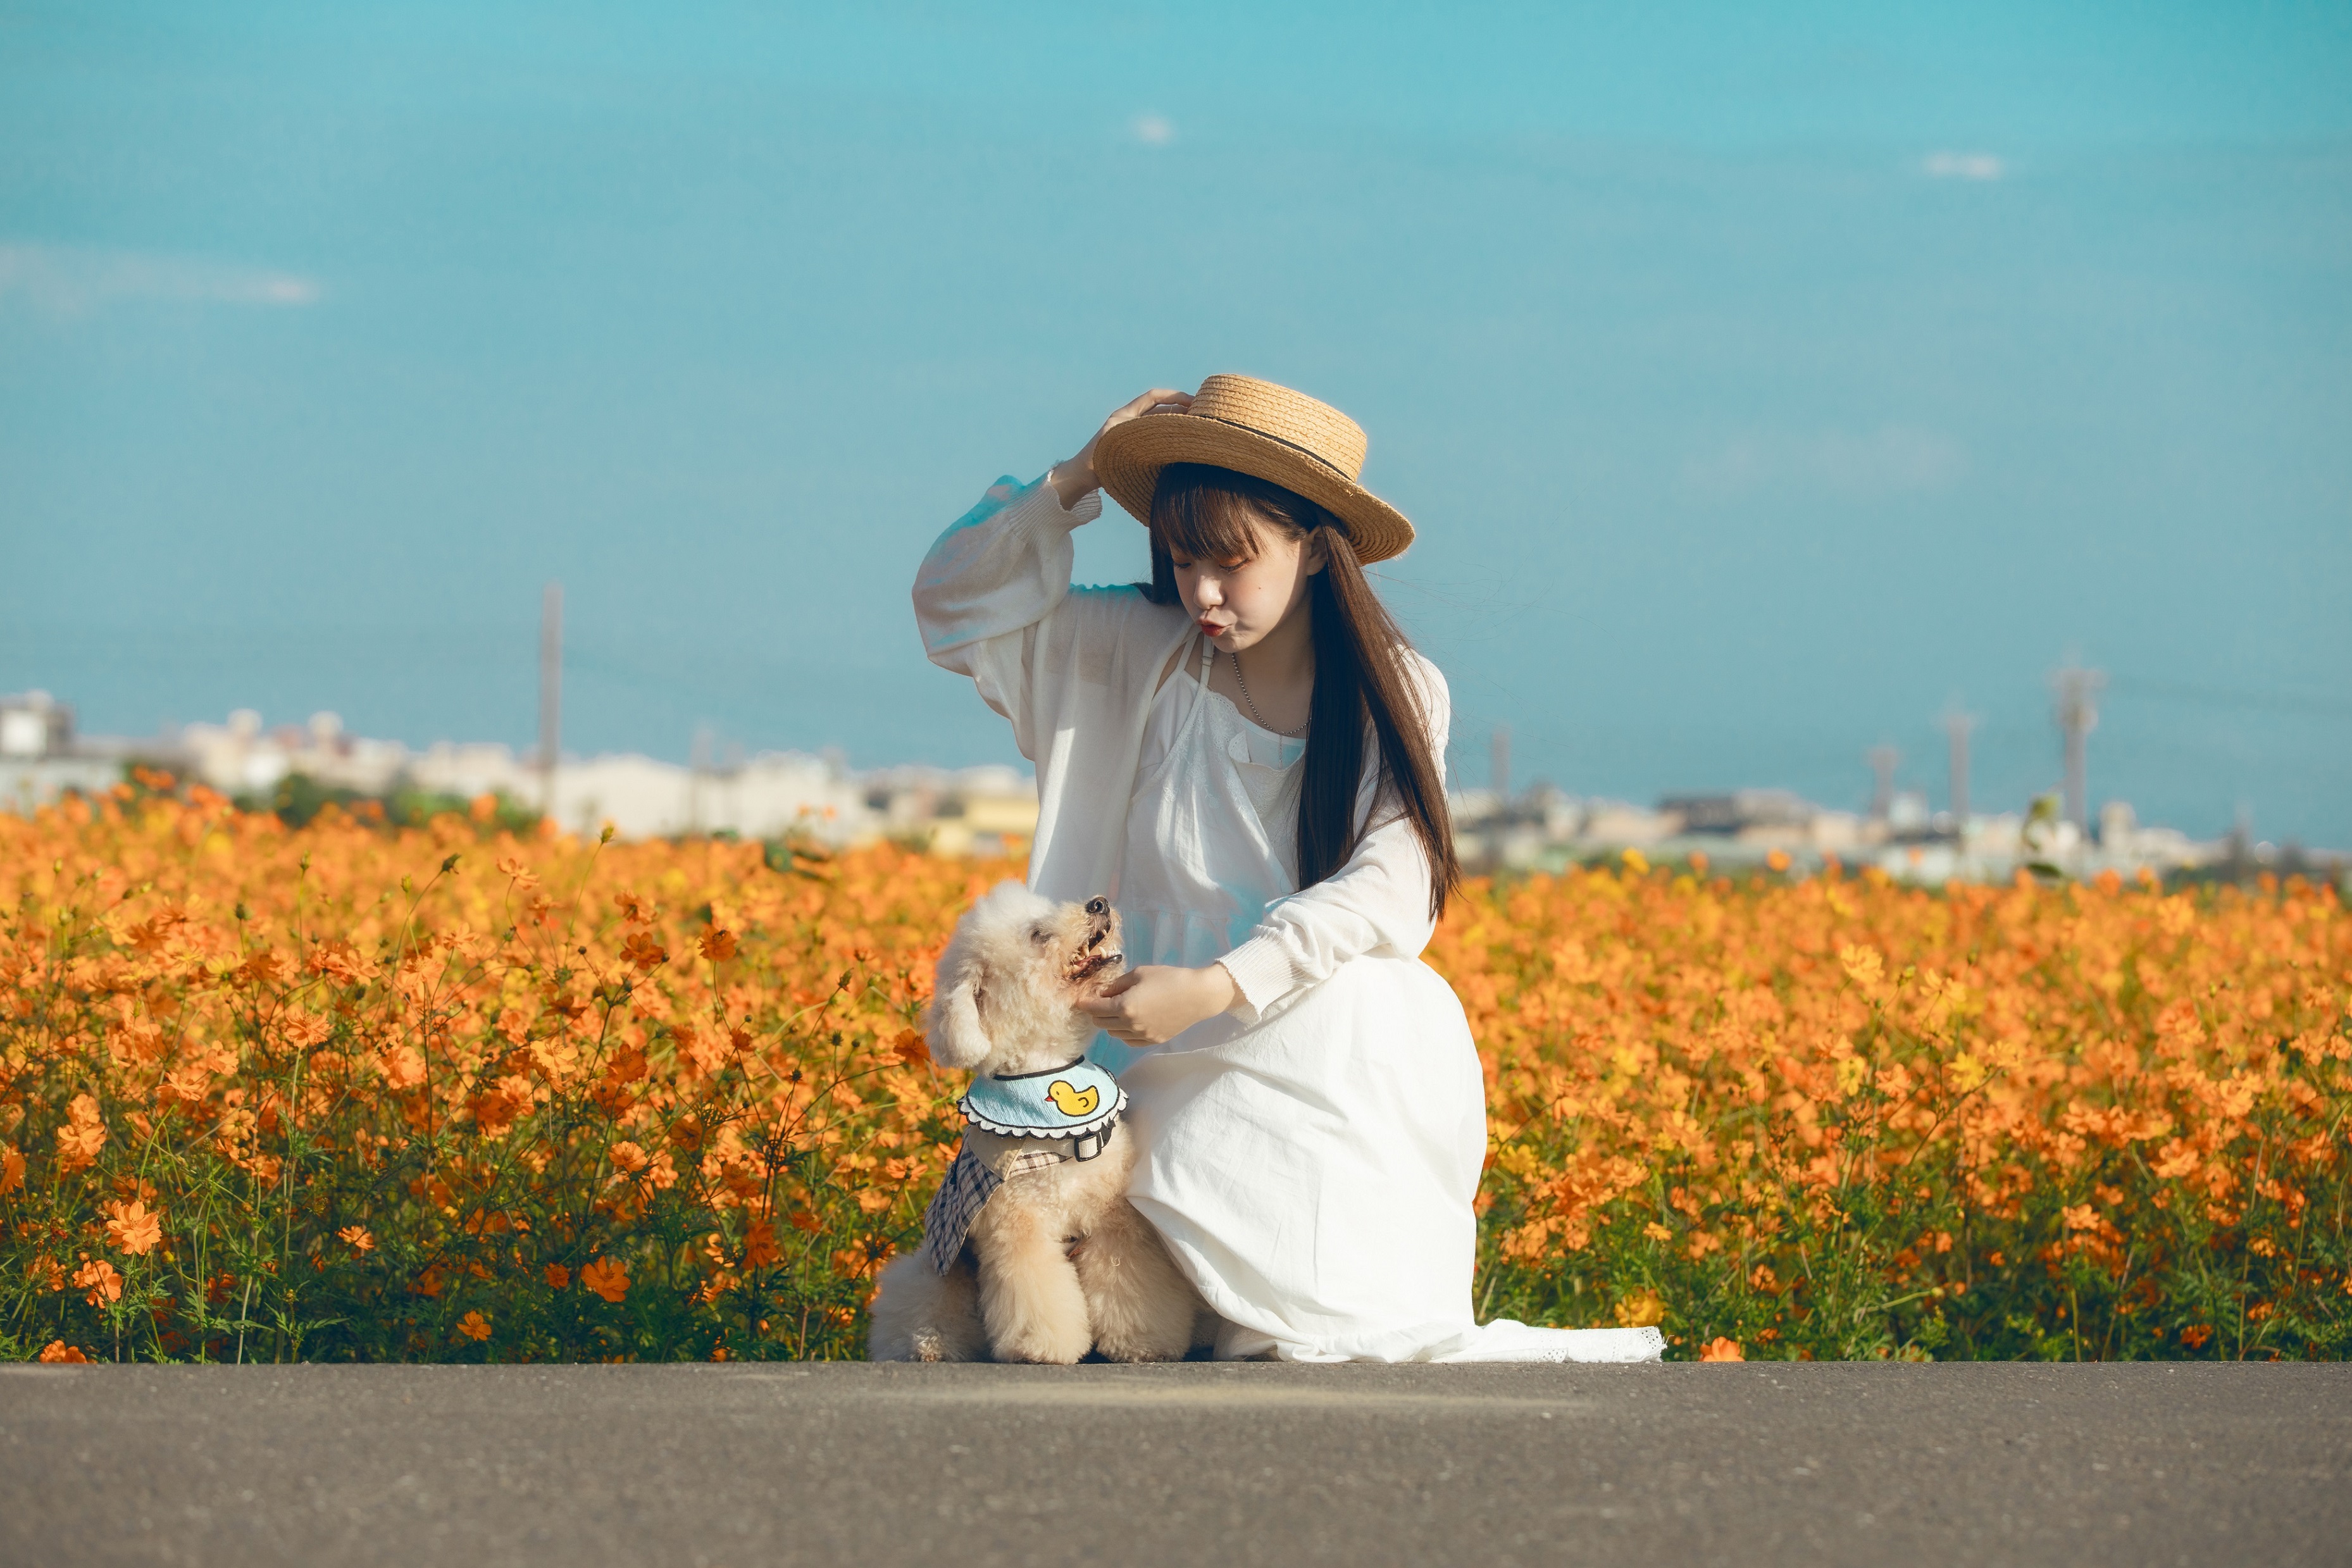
(1005,564)
(993,600)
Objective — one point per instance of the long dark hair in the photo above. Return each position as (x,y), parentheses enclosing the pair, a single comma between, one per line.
(1361,680)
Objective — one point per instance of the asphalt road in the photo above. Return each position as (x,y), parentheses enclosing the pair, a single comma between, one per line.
(1192,1463)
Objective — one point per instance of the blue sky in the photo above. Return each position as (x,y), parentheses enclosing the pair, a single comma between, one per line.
(1762,379)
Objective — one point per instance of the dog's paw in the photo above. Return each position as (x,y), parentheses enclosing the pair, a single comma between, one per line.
(1138,1353)
(1141,1338)
(1045,1347)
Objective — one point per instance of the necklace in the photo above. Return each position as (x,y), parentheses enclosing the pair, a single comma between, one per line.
(1246,698)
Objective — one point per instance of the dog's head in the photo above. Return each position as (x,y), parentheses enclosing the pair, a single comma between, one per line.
(1010,981)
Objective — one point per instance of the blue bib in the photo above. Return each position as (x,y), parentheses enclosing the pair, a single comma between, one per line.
(1060,1102)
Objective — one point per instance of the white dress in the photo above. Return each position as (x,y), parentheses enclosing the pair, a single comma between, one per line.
(1311,1157)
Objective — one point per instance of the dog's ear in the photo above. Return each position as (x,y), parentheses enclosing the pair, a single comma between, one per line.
(957,1039)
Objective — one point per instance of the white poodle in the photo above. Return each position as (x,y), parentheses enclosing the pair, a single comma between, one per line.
(1030,1251)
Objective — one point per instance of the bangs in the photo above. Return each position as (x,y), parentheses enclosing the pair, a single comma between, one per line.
(1206,514)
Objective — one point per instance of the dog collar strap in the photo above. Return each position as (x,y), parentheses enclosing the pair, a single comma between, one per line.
(1065,1103)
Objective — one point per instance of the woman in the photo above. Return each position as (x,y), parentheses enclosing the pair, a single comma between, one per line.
(1247,756)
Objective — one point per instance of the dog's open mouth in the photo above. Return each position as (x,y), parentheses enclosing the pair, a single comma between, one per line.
(1096,961)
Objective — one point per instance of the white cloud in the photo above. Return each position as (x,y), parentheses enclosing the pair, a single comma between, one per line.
(1893,459)
(1963,167)
(72,280)
(1154,130)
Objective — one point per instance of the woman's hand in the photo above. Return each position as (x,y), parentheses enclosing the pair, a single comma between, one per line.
(1154,1004)
(1072,481)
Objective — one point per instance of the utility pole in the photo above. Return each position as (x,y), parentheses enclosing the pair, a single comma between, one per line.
(698,774)
(1956,725)
(1883,759)
(551,693)
(1501,765)
(2078,714)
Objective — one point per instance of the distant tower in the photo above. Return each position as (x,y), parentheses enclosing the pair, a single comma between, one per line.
(551,692)
(1956,725)
(2078,714)
(1501,765)
(1883,759)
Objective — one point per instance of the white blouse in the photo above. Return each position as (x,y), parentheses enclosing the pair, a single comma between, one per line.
(1076,669)
(1266,762)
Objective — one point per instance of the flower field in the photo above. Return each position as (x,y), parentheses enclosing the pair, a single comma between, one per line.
(448,1093)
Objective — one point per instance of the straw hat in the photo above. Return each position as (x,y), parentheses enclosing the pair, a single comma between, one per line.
(1267,432)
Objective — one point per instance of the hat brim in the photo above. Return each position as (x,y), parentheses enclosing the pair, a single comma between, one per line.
(1129,455)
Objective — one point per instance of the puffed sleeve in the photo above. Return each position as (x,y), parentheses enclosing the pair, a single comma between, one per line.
(996,575)
(1378,901)
(999,569)
(1069,666)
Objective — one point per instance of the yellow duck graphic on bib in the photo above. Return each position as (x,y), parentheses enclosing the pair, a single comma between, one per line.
(1071,1100)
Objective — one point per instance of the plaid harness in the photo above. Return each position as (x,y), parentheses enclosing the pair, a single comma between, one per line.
(1009,1129)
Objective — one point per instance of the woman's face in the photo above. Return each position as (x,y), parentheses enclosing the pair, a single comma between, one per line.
(1236,603)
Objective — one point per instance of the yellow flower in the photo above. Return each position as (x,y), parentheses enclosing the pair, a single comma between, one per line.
(1642,1310)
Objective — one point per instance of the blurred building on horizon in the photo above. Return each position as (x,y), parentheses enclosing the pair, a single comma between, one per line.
(1547,829)
(988,809)
(771,795)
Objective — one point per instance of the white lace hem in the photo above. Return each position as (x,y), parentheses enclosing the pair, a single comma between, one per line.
(1502,1341)
(1505,1341)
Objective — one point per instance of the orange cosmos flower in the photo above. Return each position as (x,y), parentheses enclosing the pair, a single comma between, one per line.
(358,1237)
(474,1326)
(1721,1349)
(606,1277)
(100,1281)
(58,1350)
(1769,1048)
(82,1136)
(135,1227)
